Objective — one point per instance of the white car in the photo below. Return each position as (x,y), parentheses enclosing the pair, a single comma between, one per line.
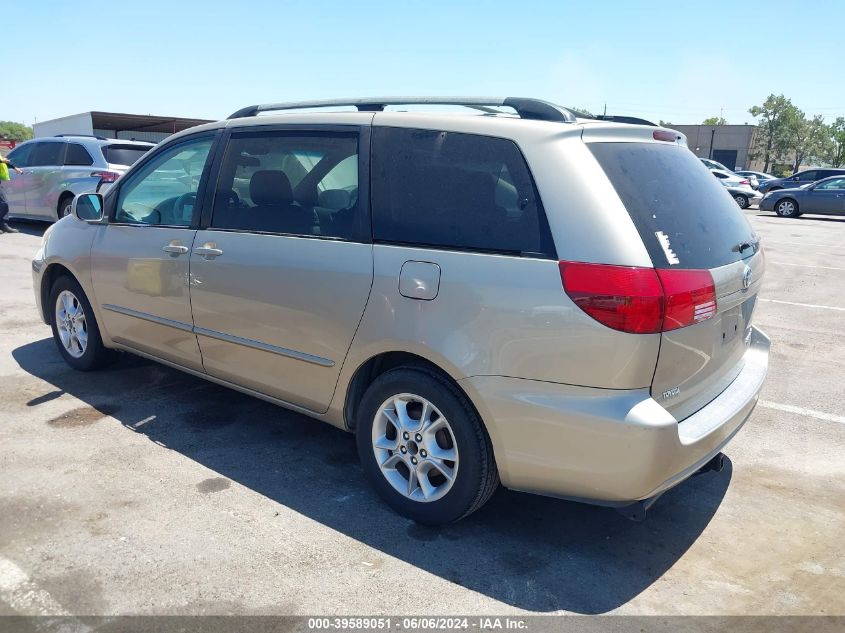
(739,187)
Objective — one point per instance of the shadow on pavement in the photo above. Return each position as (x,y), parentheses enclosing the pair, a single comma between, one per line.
(531,552)
(29,227)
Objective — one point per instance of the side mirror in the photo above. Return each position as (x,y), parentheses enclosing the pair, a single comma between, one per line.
(88,207)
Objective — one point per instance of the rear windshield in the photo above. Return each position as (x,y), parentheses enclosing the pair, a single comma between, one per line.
(685,217)
(123,154)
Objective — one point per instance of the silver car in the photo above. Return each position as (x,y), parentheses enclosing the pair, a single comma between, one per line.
(562,305)
(56,169)
(738,186)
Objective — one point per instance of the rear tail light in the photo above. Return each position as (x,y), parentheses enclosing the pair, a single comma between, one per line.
(743,182)
(640,300)
(105,176)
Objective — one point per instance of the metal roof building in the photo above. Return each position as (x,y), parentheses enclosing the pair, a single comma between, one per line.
(141,127)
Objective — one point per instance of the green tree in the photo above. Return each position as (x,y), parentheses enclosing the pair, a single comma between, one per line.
(777,115)
(835,154)
(714,120)
(807,138)
(15,131)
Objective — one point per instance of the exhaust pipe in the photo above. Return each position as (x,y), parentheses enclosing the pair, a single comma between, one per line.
(716,464)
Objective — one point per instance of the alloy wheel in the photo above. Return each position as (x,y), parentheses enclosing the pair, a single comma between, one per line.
(71,324)
(415,447)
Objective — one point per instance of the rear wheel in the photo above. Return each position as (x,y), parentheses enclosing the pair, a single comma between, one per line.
(75,329)
(65,204)
(741,200)
(423,447)
(787,208)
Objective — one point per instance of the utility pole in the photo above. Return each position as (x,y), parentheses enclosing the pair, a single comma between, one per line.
(712,136)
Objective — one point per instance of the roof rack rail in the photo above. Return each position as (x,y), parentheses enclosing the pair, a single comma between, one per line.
(96,136)
(534,109)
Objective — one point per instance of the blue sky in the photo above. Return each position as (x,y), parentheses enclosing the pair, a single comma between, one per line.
(677,61)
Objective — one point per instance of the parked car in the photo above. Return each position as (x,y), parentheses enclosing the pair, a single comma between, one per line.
(823,196)
(713,165)
(560,304)
(57,168)
(755,177)
(738,187)
(798,179)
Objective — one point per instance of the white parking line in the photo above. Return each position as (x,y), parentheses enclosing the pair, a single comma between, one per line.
(25,597)
(788,408)
(803,305)
(805,265)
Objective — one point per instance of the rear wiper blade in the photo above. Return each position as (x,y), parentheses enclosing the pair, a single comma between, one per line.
(743,245)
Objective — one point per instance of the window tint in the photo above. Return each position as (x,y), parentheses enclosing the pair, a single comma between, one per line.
(164,191)
(807,176)
(295,183)
(123,154)
(836,183)
(48,154)
(20,155)
(685,217)
(455,191)
(77,155)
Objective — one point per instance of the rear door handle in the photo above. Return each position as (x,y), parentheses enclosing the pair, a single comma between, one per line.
(208,250)
(176,248)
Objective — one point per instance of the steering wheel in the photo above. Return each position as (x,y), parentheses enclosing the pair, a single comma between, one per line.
(181,202)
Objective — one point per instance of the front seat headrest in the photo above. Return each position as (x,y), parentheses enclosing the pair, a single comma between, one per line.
(270,187)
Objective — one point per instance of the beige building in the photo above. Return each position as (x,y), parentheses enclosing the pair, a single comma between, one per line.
(726,144)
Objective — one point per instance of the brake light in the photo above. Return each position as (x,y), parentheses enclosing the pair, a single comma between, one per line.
(743,182)
(640,300)
(690,297)
(664,135)
(105,176)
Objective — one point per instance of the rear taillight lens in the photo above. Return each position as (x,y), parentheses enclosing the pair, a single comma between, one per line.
(690,297)
(743,182)
(640,300)
(105,176)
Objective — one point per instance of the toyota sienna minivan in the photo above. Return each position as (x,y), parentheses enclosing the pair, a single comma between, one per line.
(521,295)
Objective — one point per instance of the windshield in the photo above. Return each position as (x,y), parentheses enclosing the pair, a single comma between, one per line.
(685,218)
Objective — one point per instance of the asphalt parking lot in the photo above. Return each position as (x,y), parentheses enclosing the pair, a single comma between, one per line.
(143,490)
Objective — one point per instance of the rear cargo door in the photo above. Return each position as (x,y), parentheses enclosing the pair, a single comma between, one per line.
(687,220)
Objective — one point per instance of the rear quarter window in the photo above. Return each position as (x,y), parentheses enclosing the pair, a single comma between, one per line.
(455,191)
(123,154)
(684,216)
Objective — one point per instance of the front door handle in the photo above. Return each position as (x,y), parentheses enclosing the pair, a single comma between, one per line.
(208,250)
(176,248)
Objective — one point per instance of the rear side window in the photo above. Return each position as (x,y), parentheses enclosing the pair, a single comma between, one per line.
(685,217)
(77,155)
(456,191)
(123,154)
(47,155)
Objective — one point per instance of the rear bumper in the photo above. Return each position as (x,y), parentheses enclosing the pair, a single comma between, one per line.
(606,446)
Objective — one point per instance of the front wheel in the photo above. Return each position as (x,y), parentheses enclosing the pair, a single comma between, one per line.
(787,208)
(423,447)
(75,329)
(741,200)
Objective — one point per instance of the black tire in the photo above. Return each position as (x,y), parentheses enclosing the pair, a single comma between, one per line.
(742,201)
(64,207)
(96,355)
(476,478)
(787,208)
